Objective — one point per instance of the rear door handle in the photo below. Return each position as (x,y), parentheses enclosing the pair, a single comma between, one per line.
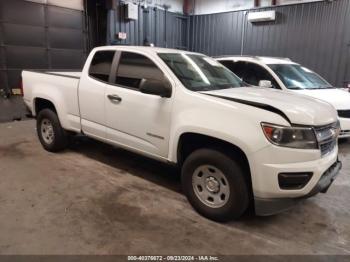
(114,98)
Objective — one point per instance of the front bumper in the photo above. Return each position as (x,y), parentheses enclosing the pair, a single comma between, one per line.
(266,206)
(345,127)
(268,163)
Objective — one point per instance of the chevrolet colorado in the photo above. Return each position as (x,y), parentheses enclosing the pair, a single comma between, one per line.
(235,145)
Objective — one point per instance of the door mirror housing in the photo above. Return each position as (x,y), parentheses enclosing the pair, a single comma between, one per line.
(156,87)
(265,83)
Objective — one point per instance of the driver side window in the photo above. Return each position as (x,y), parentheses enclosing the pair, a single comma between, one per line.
(133,68)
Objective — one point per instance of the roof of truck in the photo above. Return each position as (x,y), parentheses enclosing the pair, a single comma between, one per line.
(146,49)
(261,59)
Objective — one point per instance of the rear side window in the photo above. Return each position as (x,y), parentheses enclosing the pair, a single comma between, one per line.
(100,67)
(135,67)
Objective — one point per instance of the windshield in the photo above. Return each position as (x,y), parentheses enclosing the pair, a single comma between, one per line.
(200,73)
(298,77)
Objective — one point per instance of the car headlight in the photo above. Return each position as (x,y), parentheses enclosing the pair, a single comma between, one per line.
(293,137)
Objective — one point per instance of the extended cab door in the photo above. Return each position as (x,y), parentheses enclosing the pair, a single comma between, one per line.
(92,88)
(134,119)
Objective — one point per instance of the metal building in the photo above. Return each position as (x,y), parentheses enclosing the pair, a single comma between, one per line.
(54,35)
(314,34)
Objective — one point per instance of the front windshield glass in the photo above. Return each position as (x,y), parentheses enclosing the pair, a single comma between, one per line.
(199,72)
(298,77)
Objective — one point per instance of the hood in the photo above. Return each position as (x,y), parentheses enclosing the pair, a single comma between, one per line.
(295,108)
(338,98)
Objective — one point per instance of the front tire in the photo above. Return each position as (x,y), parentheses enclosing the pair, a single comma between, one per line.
(50,132)
(215,185)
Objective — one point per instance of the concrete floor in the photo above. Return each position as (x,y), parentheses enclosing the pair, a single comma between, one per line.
(95,199)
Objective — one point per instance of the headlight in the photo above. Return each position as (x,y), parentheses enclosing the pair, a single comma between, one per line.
(294,137)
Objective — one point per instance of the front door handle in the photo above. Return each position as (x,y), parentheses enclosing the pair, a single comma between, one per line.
(114,98)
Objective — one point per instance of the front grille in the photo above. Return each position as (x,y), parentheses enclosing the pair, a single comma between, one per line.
(327,138)
(344,113)
(325,133)
(328,147)
(344,133)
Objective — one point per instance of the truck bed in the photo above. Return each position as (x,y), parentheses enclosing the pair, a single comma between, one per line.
(73,74)
(58,86)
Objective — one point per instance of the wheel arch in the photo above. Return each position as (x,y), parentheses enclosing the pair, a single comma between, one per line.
(43,103)
(189,142)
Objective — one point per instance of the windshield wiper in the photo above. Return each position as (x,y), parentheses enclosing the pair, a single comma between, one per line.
(213,88)
(322,87)
(295,88)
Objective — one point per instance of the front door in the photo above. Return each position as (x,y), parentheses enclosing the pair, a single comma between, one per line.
(134,119)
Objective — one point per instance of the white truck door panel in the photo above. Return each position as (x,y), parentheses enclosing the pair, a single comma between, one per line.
(138,120)
(92,107)
(92,90)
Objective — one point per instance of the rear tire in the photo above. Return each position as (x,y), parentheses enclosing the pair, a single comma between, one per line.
(50,132)
(215,185)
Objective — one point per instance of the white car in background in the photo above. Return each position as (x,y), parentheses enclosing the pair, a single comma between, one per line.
(282,73)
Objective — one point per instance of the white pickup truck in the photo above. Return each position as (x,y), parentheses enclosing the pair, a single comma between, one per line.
(236,146)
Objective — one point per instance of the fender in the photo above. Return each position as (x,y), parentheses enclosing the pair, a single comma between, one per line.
(59,109)
(174,140)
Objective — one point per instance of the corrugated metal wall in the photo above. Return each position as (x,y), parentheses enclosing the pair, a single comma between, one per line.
(316,35)
(163,29)
(216,34)
(37,36)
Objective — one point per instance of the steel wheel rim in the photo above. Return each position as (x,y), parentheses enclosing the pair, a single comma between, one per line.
(210,186)
(47,131)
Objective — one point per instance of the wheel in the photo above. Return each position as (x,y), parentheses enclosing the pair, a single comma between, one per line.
(215,185)
(51,135)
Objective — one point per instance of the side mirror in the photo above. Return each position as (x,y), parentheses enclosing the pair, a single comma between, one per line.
(265,83)
(155,87)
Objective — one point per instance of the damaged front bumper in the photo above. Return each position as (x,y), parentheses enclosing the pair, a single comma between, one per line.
(266,207)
